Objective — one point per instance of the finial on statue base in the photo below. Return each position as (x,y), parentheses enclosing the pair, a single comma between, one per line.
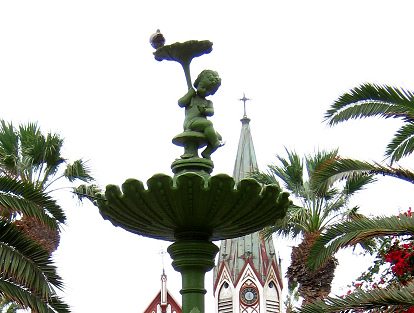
(199,165)
(191,141)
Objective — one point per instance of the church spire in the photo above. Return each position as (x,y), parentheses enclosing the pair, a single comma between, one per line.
(247,276)
(246,157)
(163,302)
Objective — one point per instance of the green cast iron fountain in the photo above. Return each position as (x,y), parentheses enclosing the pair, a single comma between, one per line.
(192,208)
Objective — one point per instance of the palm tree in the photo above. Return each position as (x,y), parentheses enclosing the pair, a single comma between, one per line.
(28,155)
(382,101)
(347,234)
(28,278)
(366,101)
(320,207)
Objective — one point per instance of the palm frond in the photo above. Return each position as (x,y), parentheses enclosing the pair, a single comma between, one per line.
(13,206)
(402,144)
(7,306)
(25,263)
(265,178)
(28,275)
(316,164)
(392,299)
(372,100)
(357,182)
(51,151)
(350,233)
(370,244)
(334,206)
(343,168)
(9,147)
(290,226)
(27,299)
(78,170)
(291,171)
(25,190)
(317,160)
(58,305)
(353,214)
(31,144)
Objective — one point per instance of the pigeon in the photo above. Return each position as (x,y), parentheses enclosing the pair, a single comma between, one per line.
(157,39)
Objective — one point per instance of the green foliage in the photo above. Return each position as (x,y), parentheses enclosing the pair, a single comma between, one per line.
(394,299)
(318,206)
(367,101)
(28,277)
(19,197)
(29,155)
(370,100)
(292,297)
(345,168)
(321,201)
(349,233)
(6,306)
(77,170)
(30,163)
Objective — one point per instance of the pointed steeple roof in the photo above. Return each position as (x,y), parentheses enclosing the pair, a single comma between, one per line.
(237,252)
(163,302)
(246,157)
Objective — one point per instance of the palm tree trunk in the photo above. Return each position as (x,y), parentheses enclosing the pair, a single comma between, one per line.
(46,237)
(313,285)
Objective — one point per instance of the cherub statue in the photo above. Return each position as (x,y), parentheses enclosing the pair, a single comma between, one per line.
(198,130)
(197,108)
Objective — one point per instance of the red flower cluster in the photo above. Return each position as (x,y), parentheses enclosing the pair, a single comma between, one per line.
(408,213)
(402,258)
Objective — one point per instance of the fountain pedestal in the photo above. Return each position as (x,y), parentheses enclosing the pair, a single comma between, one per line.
(193,259)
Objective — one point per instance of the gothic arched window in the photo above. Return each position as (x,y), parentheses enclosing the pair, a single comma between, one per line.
(271,294)
(225,299)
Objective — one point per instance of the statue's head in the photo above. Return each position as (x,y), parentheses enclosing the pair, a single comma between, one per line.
(207,83)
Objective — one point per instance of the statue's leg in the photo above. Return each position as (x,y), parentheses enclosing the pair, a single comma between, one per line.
(214,140)
(207,152)
(212,136)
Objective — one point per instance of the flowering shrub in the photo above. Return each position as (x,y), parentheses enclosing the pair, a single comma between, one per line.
(393,264)
(401,256)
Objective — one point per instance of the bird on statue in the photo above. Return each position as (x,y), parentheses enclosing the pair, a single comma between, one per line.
(157,39)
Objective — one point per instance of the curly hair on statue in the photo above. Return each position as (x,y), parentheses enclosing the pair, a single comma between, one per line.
(212,77)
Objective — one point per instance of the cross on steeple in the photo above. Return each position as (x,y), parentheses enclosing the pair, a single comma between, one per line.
(162,253)
(244,99)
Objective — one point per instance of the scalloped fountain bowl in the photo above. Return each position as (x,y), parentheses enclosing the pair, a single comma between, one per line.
(193,206)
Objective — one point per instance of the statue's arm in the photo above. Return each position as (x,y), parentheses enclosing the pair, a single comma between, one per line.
(186,99)
(209,109)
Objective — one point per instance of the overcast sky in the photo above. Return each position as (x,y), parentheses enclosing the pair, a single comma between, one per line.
(85,69)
